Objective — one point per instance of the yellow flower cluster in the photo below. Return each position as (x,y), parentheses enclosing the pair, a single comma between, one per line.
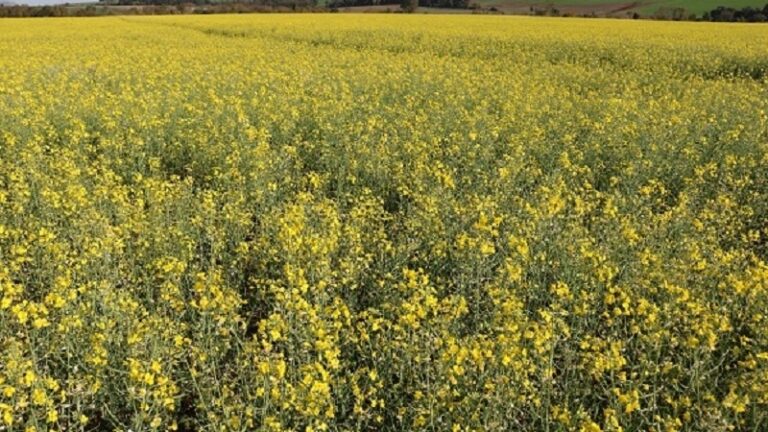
(378,222)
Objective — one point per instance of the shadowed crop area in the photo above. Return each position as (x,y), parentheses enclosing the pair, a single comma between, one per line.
(383,223)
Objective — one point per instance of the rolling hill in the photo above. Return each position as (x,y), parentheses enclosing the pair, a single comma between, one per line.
(616,7)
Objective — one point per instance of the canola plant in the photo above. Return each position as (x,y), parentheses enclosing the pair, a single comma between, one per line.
(383,223)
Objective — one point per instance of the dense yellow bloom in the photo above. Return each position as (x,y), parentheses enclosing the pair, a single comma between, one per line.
(383,222)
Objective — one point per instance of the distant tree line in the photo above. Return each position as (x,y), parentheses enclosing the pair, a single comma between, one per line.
(452,4)
(23,11)
(408,5)
(719,14)
(157,8)
(168,7)
(728,14)
(217,4)
(335,4)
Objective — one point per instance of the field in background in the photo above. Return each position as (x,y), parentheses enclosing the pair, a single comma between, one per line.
(618,8)
(383,222)
(676,10)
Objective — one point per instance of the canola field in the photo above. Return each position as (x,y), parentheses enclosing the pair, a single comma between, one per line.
(383,223)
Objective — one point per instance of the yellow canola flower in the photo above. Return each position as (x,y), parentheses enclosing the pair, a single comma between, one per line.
(382,222)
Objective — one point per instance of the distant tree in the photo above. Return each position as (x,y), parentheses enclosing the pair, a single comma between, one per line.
(409,5)
(746,14)
(448,4)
